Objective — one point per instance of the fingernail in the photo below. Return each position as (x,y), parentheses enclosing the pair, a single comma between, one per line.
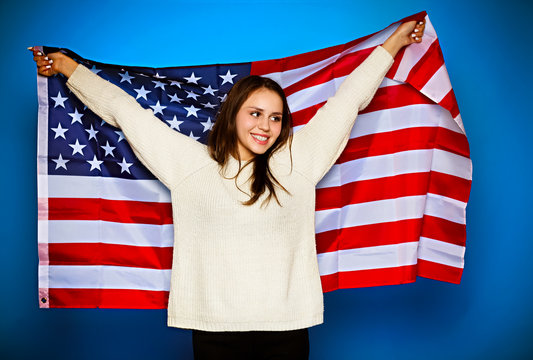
(420,23)
(413,35)
(39,53)
(51,61)
(417,38)
(30,48)
(46,57)
(48,66)
(416,30)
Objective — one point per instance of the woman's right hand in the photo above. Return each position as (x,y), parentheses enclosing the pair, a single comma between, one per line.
(54,63)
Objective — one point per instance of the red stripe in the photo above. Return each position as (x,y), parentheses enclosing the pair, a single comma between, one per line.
(441,272)
(107,298)
(397,61)
(444,230)
(302,60)
(372,190)
(365,278)
(450,103)
(110,210)
(426,67)
(450,186)
(303,116)
(396,96)
(343,66)
(110,254)
(356,237)
(416,138)
(392,187)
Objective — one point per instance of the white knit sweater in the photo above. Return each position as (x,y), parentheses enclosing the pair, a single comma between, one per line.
(237,267)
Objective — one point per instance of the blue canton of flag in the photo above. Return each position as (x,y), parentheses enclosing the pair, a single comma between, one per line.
(185,98)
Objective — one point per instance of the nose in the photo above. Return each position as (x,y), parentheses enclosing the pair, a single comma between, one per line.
(263,123)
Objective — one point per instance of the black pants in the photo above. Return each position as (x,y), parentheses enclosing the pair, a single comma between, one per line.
(251,345)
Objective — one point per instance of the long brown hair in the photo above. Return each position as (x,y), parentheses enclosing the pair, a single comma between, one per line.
(223,142)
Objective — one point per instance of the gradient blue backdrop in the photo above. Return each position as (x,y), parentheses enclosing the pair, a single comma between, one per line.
(487,49)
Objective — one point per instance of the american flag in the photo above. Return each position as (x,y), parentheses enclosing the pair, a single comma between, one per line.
(390,209)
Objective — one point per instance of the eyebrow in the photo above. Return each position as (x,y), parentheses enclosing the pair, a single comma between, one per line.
(256,108)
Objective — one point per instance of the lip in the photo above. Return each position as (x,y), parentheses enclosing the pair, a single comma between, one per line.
(259,141)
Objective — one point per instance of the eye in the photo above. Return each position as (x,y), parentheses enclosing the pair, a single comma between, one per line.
(275,118)
(255,113)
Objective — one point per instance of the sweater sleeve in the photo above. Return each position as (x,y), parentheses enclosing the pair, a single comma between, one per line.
(168,154)
(320,142)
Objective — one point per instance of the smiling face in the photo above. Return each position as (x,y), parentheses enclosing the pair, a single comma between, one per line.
(258,123)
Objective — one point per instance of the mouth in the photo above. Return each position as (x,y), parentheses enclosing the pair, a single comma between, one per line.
(260,139)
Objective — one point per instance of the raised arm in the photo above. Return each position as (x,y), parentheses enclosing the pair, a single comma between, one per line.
(320,142)
(168,154)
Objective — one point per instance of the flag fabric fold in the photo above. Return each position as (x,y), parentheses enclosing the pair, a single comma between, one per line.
(391,208)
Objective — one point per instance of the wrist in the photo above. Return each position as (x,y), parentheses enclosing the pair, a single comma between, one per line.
(66,65)
(392,45)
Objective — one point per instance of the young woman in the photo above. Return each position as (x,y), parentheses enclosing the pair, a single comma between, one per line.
(245,274)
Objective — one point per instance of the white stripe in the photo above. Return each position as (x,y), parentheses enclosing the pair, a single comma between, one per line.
(374,257)
(290,77)
(459,121)
(375,167)
(320,93)
(107,188)
(42,181)
(372,212)
(441,252)
(74,231)
(452,164)
(438,86)
(108,277)
(414,52)
(403,162)
(446,208)
(405,117)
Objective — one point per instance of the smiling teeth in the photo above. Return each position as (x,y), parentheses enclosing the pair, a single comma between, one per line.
(260,138)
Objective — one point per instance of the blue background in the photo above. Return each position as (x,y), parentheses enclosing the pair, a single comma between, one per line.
(487,48)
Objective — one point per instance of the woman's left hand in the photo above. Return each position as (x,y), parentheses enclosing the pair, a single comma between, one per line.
(406,34)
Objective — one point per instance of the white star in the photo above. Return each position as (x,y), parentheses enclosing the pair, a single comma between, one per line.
(95,70)
(59,132)
(208,105)
(95,163)
(126,77)
(227,78)
(209,90)
(159,76)
(191,94)
(77,147)
(142,92)
(222,98)
(174,98)
(158,108)
(124,166)
(92,132)
(192,79)
(60,162)
(174,123)
(159,84)
(76,116)
(207,124)
(191,135)
(59,100)
(191,110)
(120,135)
(176,83)
(108,149)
